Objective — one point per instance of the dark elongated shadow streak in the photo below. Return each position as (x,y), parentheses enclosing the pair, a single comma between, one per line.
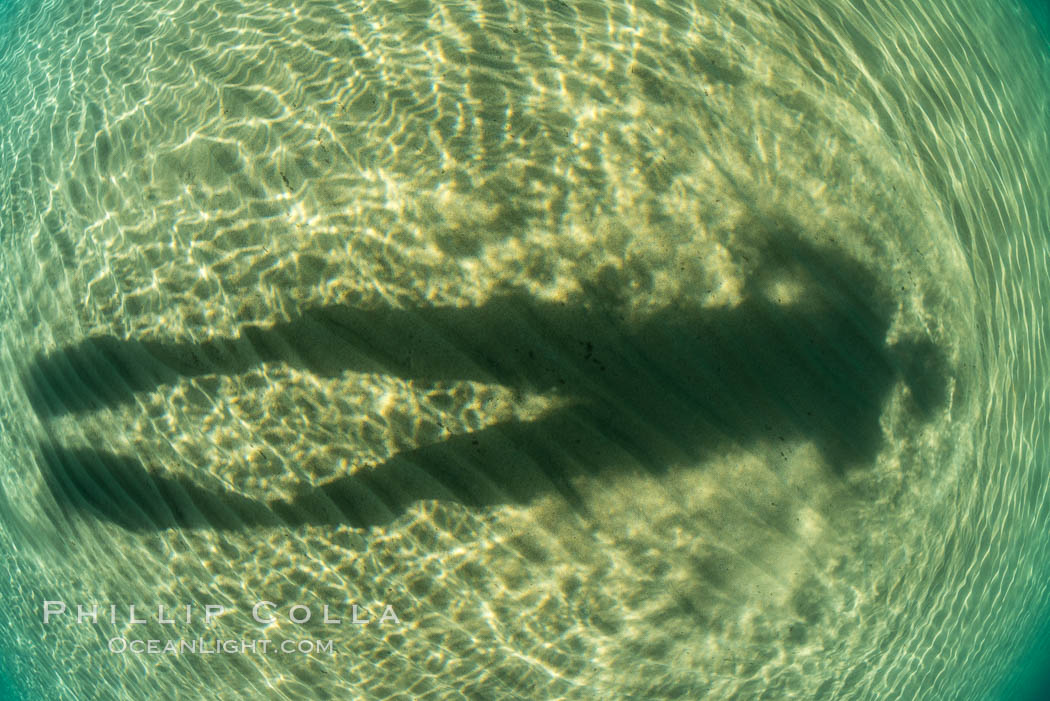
(683,383)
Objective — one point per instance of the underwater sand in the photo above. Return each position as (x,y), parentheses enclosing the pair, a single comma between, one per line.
(739,303)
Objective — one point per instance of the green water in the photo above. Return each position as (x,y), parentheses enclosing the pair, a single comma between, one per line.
(626,350)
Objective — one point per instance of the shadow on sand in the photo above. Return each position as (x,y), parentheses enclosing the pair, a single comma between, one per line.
(679,385)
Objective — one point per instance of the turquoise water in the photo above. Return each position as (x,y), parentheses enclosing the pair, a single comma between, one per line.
(1028,679)
(9,687)
(626,349)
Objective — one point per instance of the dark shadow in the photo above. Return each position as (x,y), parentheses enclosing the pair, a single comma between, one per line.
(119,489)
(677,386)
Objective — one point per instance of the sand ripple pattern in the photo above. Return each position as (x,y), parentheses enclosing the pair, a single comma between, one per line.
(650,350)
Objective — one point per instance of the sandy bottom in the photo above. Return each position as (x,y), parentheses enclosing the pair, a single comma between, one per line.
(618,351)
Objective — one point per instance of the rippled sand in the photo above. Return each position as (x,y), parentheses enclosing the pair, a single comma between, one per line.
(651,350)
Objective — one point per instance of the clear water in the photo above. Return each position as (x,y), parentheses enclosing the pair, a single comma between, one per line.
(627,350)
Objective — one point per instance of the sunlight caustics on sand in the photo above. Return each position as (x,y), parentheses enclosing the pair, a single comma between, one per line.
(653,350)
